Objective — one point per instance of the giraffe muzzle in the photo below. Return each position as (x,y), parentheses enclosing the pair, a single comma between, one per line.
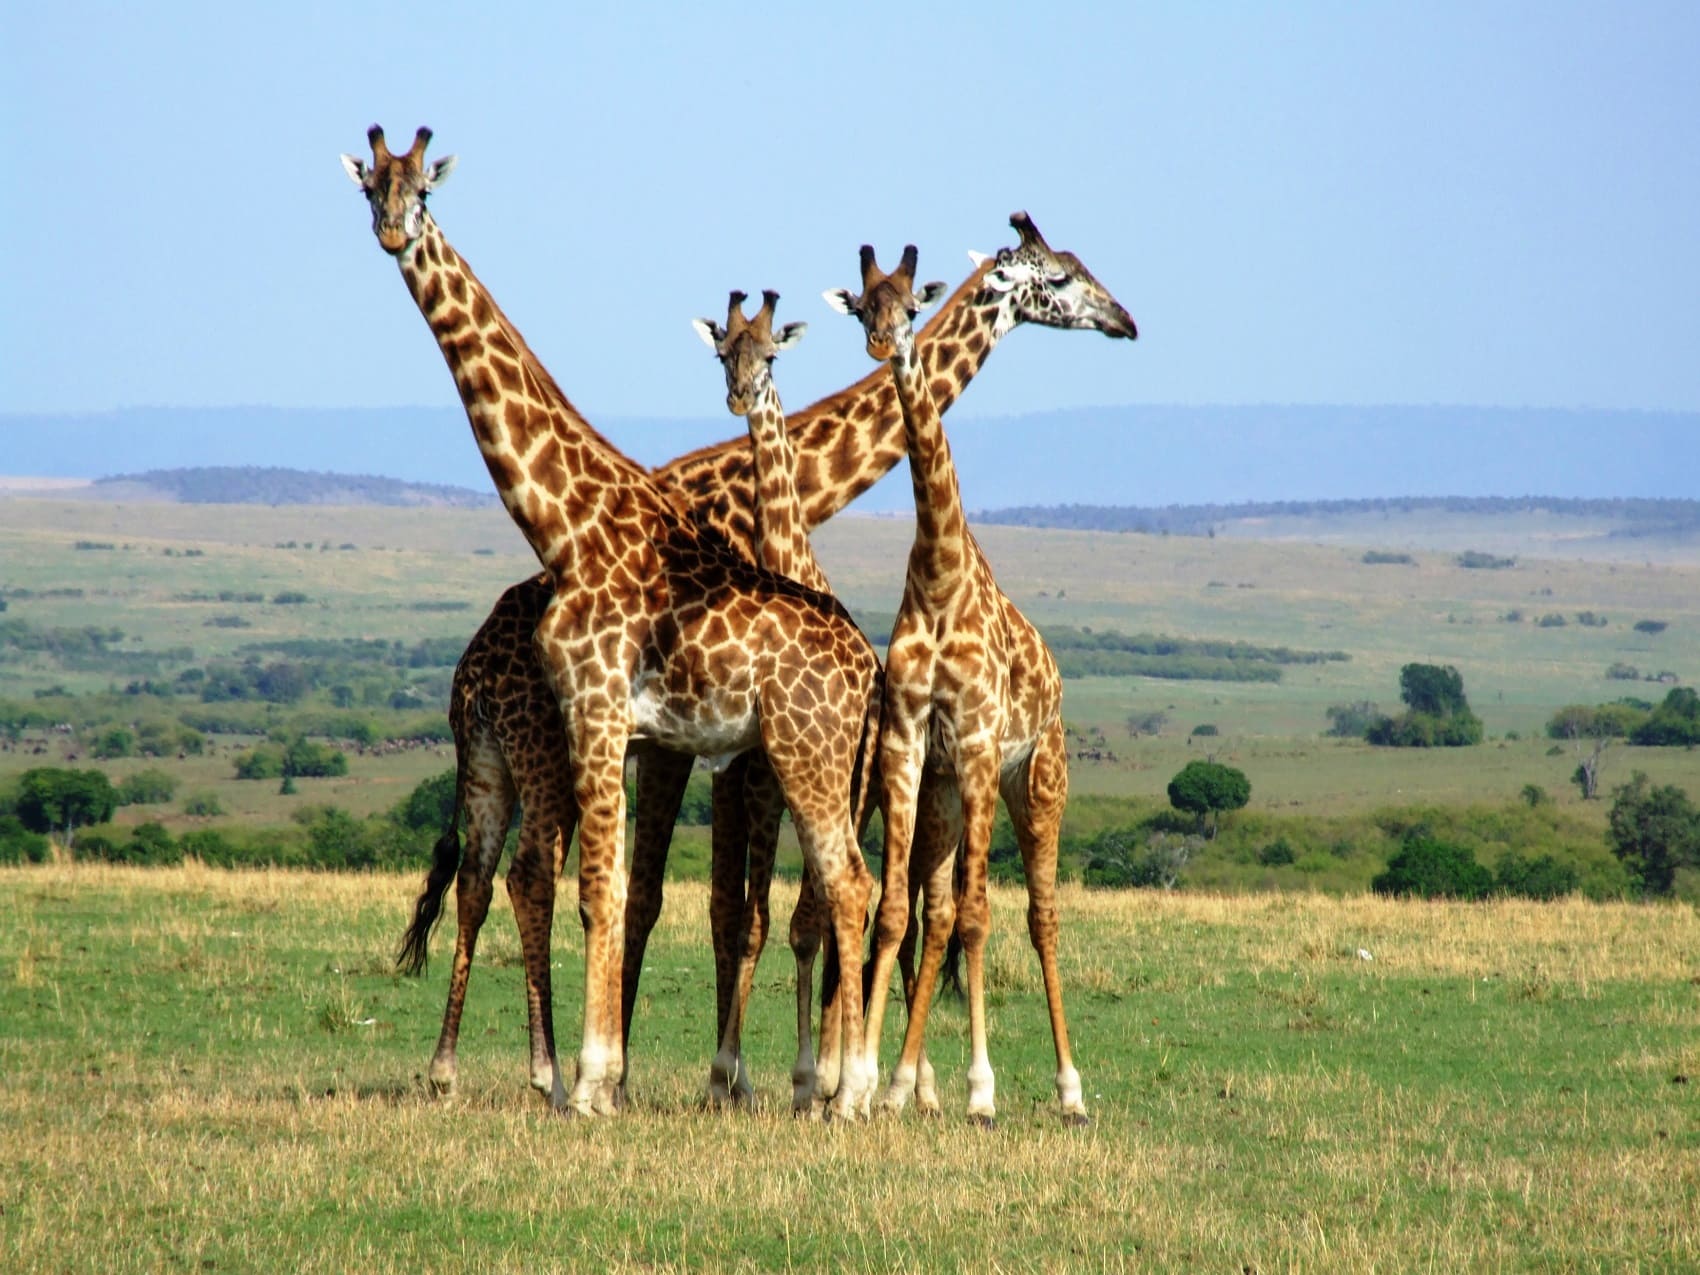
(392,239)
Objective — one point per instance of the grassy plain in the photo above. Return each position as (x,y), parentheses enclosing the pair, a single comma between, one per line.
(218,1071)
(366,571)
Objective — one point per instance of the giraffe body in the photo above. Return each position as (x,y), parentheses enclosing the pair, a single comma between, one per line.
(841,446)
(657,628)
(973,706)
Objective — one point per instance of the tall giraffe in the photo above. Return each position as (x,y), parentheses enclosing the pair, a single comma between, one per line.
(846,443)
(843,445)
(973,706)
(656,630)
(747,830)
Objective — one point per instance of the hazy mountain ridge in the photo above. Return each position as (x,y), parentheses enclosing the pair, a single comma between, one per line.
(1639,516)
(1147,455)
(275,485)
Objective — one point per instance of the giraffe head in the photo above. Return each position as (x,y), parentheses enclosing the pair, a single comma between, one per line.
(746,349)
(396,187)
(888,303)
(1040,285)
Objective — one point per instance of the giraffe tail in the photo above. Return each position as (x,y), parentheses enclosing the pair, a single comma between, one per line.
(445,862)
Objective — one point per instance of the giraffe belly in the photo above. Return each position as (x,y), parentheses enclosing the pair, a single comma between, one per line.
(718,725)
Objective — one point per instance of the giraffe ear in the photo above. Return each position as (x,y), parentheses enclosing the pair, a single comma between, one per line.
(711,333)
(840,299)
(355,169)
(789,335)
(438,173)
(929,294)
(978,258)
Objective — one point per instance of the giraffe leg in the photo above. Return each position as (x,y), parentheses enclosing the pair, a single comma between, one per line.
(488,799)
(938,832)
(902,754)
(831,1054)
(598,758)
(938,919)
(661,780)
(728,858)
(979,778)
(808,923)
(546,831)
(764,804)
(1036,797)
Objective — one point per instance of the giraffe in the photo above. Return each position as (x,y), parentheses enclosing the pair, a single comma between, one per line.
(510,744)
(973,706)
(656,629)
(843,445)
(746,349)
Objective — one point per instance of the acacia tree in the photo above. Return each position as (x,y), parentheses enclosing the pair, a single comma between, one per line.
(1654,831)
(57,801)
(1208,788)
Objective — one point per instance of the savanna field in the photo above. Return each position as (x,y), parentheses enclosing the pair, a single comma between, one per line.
(214,1069)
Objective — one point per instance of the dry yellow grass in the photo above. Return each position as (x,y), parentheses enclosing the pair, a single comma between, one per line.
(217,1071)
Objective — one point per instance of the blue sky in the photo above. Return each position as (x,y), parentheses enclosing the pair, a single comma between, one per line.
(1350,203)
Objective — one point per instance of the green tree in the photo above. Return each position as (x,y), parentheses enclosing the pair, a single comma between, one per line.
(1655,831)
(58,801)
(1675,721)
(1429,869)
(428,807)
(1207,789)
(1438,716)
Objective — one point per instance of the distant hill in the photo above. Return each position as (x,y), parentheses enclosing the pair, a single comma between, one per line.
(1639,518)
(271,485)
(1140,455)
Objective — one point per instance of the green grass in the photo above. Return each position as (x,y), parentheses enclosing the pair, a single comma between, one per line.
(218,1071)
(1312,596)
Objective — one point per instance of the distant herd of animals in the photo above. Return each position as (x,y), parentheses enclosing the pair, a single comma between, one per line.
(680,613)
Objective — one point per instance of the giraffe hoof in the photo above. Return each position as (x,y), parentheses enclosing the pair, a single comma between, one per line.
(1076,1120)
(979,1120)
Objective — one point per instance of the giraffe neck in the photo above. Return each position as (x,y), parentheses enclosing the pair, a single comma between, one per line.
(849,441)
(782,541)
(555,474)
(941,528)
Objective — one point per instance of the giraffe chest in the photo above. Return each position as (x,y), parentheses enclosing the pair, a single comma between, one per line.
(677,706)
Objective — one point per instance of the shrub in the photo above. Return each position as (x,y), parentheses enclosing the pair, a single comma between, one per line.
(1534,795)
(1428,869)
(203,805)
(146,788)
(428,807)
(1651,626)
(1205,728)
(1552,620)
(306,760)
(1379,557)
(264,762)
(1278,853)
(1119,859)
(1619,671)
(1476,560)
(116,742)
(151,844)
(18,844)
(1539,878)
(1352,721)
